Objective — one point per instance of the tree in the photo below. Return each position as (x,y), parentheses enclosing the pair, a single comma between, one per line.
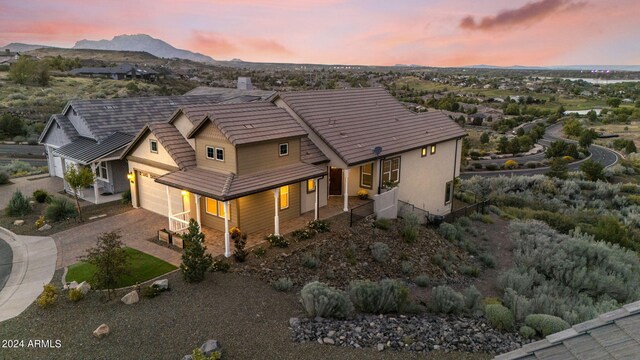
(78,178)
(110,259)
(593,116)
(586,138)
(22,70)
(484,138)
(558,169)
(512,109)
(503,145)
(572,128)
(11,125)
(592,170)
(614,102)
(195,260)
(631,147)
(41,74)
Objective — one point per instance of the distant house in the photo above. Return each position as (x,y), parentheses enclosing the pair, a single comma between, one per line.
(7,57)
(120,72)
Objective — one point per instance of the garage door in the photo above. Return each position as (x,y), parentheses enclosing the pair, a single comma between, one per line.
(153,196)
(57,166)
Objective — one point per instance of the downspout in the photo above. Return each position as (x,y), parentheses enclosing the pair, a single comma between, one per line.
(380,175)
(453,181)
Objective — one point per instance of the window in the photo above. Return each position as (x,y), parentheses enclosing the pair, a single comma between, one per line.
(220,154)
(391,170)
(153,145)
(311,186)
(366,176)
(210,152)
(423,152)
(284,197)
(448,192)
(215,207)
(433,149)
(101,171)
(284,149)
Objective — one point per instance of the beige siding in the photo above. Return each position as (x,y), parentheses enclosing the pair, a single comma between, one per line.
(265,155)
(257,211)
(142,150)
(215,222)
(184,125)
(210,135)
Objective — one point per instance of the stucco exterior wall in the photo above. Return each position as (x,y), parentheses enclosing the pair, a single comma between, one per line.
(308,200)
(136,166)
(143,151)
(184,125)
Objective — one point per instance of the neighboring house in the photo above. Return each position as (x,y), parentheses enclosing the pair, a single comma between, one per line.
(374,142)
(120,72)
(613,335)
(7,57)
(246,165)
(94,132)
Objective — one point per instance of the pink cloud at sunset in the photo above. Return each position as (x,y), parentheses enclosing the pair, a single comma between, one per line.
(427,32)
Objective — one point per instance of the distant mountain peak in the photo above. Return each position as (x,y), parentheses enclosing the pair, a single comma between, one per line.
(142,42)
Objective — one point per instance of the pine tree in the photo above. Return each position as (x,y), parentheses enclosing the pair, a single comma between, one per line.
(195,260)
(558,169)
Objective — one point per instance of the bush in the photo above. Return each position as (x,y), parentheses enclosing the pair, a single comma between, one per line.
(445,300)
(320,226)
(319,299)
(40,196)
(527,332)
(4,178)
(40,222)
(487,260)
(380,251)
(309,262)
(499,316)
(220,266)
(150,291)
(510,164)
(239,244)
(60,208)
(422,280)
(469,270)
(473,300)
(410,225)
(18,205)
(491,167)
(449,232)
(197,354)
(406,267)
(283,284)
(381,297)
(531,164)
(277,240)
(195,260)
(546,324)
(125,198)
(48,296)
(303,234)
(259,252)
(75,295)
(383,223)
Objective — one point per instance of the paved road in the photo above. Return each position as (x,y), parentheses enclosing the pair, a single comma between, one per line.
(6,261)
(32,154)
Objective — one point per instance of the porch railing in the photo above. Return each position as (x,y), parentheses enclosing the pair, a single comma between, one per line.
(179,222)
(360,212)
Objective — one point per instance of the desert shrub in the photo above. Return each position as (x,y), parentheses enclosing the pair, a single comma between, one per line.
(259,252)
(283,284)
(220,266)
(75,295)
(630,188)
(520,305)
(380,251)
(492,167)
(150,291)
(546,324)
(48,296)
(60,208)
(40,196)
(445,300)
(464,222)
(499,316)
(320,226)
(383,223)
(410,225)
(527,332)
(469,270)
(309,262)
(449,232)
(319,299)
(510,164)
(495,210)
(277,240)
(406,267)
(4,177)
(125,198)
(18,205)
(422,280)
(21,167)
(487,260)
(531,164)
(303,234)
(380,297)
(473,300)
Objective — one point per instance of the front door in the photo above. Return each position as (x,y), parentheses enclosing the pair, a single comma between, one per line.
(335,181)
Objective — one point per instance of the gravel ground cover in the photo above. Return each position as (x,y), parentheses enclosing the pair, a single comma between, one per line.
(249,319)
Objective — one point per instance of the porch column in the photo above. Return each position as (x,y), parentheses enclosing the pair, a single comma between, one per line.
(276,218)
(346,190)
(227,246)
(316,182)
(168,206)
(197,197)
(96,193)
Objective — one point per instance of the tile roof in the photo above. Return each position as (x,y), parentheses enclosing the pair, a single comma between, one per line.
(310,154)
(355,121)
(227,186)
(85,150)
(246,123)
(176,145)
(613,335)
(233,93)
(120,69)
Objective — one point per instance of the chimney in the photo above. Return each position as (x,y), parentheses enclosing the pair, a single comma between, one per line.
(244,83)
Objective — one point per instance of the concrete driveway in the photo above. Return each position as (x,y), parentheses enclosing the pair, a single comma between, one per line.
(136,227)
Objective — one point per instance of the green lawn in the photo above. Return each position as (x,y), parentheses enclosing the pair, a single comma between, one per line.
(143,267)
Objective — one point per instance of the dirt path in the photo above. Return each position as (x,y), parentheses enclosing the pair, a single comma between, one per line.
(500,246)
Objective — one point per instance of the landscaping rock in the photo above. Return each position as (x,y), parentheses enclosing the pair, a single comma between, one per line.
(187,357)
(328,341)
(72,285)
(209,347)
(101,331)
(18,222)
(380,347)
(294,322)
(44,227)
(162,284)
(84,287)
(131,298)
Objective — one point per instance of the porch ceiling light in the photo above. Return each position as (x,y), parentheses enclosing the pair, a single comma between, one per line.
(184,192)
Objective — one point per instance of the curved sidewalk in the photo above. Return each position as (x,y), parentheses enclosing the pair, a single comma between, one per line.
(34,262)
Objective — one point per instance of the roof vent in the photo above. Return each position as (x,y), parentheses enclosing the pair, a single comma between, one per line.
(343,134)
(394,138)
(248,126)
(331,121)
(359,145)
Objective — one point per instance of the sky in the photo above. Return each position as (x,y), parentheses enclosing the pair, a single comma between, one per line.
(366,32)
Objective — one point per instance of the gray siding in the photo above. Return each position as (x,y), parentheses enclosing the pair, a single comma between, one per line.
(55,136)
(118,175)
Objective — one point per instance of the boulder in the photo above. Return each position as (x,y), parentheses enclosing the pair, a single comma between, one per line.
(294,322)
(101,331)
(72,285)
(162,284)
(187,357)
(380,347)
(44,227)
(209,347)
(18,222)
(131,298)
(84,287)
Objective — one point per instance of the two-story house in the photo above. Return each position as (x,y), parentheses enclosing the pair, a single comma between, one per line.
(247,165)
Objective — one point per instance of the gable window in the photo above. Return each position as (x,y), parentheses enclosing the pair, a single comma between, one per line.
(366,176)
(311,185)
(211,152)
(284,149)
(433,149)
(423,152)
(284,197)
(101,171)
(215,207)
(220,154)
(391,170)
(153,146)
(448,192)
